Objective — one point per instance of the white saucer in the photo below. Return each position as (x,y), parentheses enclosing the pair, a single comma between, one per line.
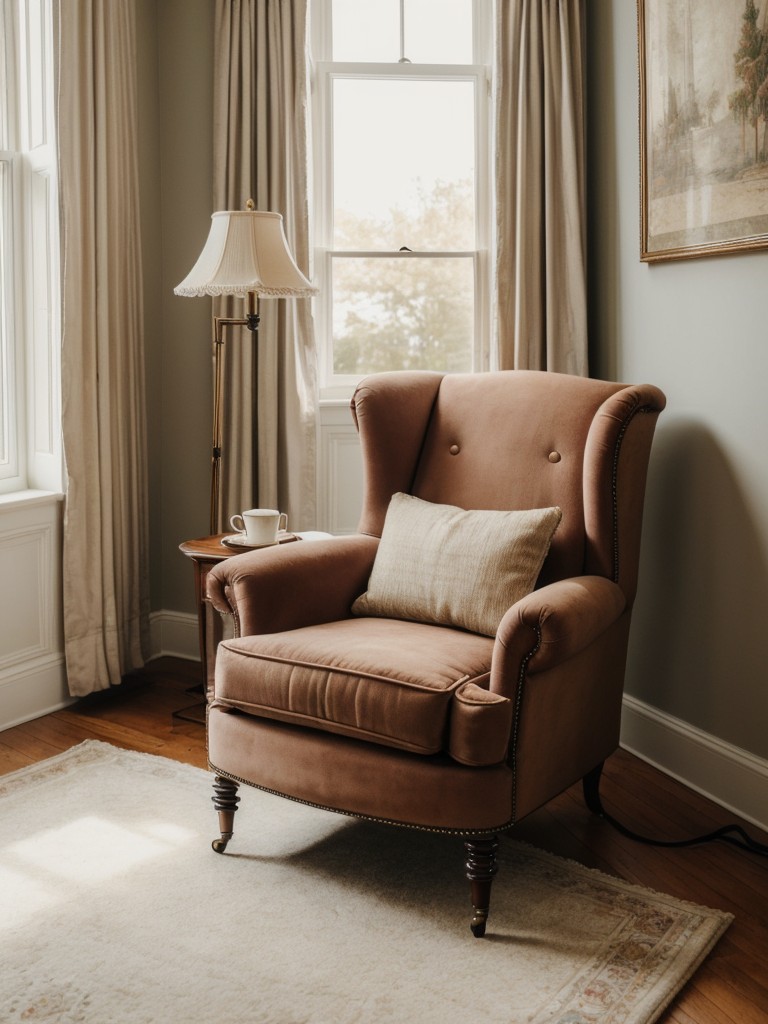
(239,540)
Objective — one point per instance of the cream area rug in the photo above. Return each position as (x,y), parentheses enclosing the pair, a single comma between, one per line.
(115,910)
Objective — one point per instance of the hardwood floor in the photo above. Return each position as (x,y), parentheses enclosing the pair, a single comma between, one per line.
(731,987)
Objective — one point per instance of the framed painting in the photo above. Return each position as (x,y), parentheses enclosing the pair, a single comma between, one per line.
(703,127)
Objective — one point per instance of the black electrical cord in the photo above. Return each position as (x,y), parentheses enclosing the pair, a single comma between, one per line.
(733,834)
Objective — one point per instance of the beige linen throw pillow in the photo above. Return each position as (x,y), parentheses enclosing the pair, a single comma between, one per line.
(444,565)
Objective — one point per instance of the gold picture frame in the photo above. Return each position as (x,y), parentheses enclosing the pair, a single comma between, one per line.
(703,127)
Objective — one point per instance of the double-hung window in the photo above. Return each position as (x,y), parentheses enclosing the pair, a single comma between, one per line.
(401,98)
(30,447)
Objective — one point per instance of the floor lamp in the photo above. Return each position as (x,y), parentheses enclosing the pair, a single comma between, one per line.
(247,255)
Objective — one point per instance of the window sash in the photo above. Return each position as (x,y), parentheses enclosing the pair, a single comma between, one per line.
(397,33)
(11,403)
(338,385)
(30,436)
(391,144)
(482,31)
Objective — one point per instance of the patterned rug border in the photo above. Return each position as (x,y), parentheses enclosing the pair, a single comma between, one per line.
(596,982)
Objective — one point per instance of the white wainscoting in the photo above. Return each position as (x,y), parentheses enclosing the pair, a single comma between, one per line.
(339,470)
(32,675)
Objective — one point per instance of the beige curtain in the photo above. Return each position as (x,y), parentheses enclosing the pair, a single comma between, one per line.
(540,185)
(103,415)
(260,152)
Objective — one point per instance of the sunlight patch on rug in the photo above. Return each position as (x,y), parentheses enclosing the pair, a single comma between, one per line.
(113,849)
(115,910)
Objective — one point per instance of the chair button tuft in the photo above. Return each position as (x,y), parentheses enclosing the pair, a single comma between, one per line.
(454,449)
(554,456)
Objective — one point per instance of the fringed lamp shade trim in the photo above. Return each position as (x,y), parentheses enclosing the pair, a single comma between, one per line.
(246,251)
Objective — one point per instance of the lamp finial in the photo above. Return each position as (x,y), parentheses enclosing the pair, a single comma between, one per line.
(250,205)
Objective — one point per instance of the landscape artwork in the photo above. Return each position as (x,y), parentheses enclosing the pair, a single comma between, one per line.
(703,127)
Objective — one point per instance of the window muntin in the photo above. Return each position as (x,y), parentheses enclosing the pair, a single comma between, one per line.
(401,177)
(371,30)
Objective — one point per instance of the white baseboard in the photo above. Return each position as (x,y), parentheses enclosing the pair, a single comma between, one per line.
(39,686)
(36,688)
(174,634)
(732,777)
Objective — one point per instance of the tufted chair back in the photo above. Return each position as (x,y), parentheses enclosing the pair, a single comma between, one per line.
(516,440)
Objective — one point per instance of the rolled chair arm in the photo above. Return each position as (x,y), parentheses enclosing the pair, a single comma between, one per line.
(551,625)
(292,585)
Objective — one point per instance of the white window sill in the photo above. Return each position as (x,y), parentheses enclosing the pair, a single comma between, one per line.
(335,403)
(27,498)
(335,394)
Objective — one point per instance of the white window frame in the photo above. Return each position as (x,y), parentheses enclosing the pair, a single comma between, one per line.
(11,397)
(30,308)
(324,72)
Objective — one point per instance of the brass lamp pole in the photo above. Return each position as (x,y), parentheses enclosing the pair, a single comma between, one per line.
(246,254)
(251,321)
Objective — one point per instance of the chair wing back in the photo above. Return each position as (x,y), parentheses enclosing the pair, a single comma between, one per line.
(516,440)
(391,412)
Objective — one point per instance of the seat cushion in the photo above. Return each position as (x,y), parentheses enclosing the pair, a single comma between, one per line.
(379,680)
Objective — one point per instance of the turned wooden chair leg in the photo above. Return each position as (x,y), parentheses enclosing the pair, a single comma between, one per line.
(225,800)
(481,867)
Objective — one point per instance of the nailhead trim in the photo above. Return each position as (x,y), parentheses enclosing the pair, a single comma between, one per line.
(492,830)
(516,719)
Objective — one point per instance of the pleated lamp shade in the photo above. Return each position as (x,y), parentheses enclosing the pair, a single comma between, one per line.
(246,251)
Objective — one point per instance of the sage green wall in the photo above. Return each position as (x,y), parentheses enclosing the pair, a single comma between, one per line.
(175,58)
(697,329)
(149,189)
(185,32)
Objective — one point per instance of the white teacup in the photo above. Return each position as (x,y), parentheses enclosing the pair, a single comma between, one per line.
(260,526)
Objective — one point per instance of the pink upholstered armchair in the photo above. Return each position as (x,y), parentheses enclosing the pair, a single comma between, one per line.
(441,719)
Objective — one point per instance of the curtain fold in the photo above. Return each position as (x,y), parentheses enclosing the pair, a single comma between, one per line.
(105,543)
(260,150)
(541,301)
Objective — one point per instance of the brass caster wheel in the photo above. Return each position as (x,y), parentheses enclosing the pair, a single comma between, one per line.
(225,800)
